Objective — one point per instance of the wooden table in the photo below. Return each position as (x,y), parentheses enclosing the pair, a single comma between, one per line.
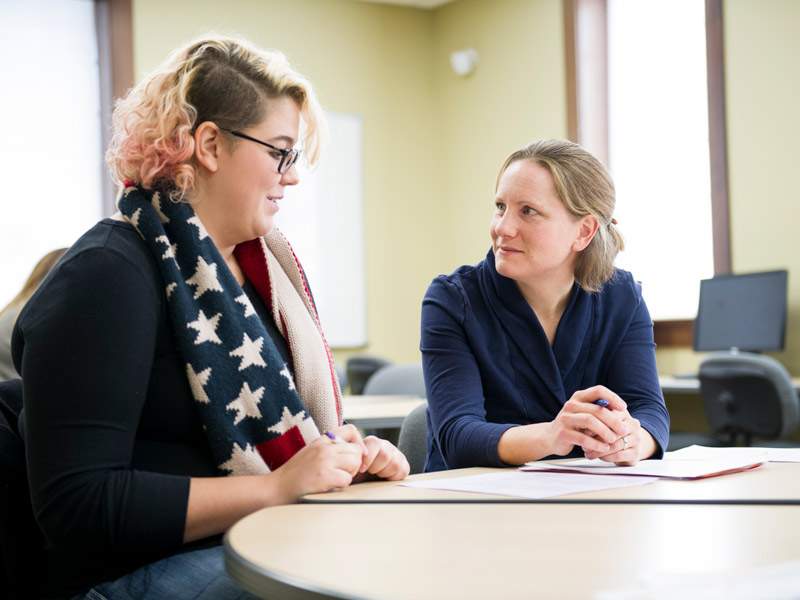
(504,551)
(771,484)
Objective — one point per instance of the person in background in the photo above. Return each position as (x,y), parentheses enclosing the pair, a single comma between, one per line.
(8,316)
(176,376)
(543,349)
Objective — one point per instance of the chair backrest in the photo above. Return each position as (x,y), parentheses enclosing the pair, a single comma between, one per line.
(397,379)
(749,395)
(20,538)
(360,368)
(413,438)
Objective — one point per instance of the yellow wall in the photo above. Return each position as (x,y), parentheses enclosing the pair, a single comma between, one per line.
(762,53)
(516,95)
(433,141)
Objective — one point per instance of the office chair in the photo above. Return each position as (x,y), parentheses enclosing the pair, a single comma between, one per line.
(20,538)
(360,368)
(404,379)
(748,397)
(413,438)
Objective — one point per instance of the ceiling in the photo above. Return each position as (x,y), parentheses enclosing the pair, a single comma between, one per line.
(427,4)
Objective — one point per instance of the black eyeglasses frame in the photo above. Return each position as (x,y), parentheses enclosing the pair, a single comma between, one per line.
(288,157)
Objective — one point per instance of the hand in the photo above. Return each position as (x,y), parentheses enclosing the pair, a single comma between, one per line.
(383,460)
(592,427)
(322,465)
(630,449)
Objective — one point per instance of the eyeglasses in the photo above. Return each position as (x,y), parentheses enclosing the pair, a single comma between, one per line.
(288,157)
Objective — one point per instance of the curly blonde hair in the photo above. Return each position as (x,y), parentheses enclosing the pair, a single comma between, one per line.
(225,80)
(586,188)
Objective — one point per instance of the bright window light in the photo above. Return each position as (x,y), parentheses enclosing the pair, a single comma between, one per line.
(50,157)
(658,148)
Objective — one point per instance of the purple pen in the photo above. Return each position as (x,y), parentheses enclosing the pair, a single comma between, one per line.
(601,402)
(335,438)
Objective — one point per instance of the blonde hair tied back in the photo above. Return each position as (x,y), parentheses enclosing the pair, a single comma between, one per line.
(586,188)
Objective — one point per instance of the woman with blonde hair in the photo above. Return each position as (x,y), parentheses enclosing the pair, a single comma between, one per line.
(543,349)
(8,316)
(176,376)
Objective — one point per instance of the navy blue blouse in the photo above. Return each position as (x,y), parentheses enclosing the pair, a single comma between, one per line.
(489,365)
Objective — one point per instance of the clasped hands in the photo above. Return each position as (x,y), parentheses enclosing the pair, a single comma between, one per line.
(323,464)
(609,432)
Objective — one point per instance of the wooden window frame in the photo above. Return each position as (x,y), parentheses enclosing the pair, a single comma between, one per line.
(114,26)
(580,15)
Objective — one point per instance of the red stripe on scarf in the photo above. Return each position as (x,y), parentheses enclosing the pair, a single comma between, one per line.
(277,451)
(250,256)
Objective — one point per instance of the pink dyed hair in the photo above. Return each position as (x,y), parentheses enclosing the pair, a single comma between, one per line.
(225,80)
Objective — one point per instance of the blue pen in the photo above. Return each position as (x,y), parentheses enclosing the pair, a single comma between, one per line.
(335,438)
(601,402)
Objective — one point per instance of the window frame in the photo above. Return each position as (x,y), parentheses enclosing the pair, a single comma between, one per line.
(114,26)
(585,32)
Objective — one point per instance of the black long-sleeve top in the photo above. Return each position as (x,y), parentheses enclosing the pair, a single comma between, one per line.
(111,434)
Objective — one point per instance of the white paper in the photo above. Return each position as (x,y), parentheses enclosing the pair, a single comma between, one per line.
(705,452)
(529,485)
(675,468)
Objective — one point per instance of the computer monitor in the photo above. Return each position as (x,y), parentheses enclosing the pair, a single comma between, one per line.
(747,312)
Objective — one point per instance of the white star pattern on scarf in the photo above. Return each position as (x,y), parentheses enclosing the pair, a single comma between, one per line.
(134,219)
(201,230)
(197,381)
(204,278)
(245,462)
(249,311)
(236,418)
(285,372)
(246,405)
(303,423)
(156,203)
(249,352)
(170,251)
(206,328)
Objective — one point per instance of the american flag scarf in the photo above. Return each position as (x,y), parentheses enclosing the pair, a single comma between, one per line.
(254,413)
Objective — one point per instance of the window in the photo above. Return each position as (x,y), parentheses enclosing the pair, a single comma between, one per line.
(51,154)
(595,106)
(661,170)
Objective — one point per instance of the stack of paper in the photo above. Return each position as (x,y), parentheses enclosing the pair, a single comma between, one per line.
(538,480)
(670,467)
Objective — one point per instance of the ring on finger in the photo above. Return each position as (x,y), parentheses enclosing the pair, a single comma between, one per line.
(625,443)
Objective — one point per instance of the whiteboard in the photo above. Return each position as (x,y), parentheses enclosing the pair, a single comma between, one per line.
(323,219)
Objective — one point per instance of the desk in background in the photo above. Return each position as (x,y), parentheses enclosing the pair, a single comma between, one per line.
(691,385)
(378,412)
(477,551)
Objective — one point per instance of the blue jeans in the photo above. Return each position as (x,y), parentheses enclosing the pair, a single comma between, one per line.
(198,575)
